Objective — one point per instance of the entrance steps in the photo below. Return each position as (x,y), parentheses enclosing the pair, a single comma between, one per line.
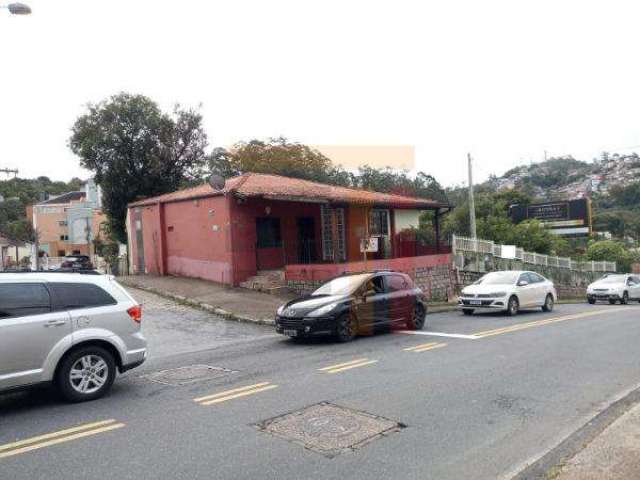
(267,281)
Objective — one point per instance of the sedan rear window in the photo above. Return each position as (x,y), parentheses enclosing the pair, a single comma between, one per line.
(68,296)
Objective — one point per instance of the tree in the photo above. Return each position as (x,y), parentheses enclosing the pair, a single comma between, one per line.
(612,251)
(277,156)
(135,150)
(281,157)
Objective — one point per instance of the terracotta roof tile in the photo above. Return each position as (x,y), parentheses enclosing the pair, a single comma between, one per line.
(283,188)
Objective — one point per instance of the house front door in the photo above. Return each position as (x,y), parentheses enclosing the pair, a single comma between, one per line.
(269,251)
(306,240)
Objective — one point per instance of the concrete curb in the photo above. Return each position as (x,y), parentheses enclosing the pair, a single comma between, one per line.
(202,305)
(550,465)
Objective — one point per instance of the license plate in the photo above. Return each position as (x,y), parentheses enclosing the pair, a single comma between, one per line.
(475,302)
(290,333)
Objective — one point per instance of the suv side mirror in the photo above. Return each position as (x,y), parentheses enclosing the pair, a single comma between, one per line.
(523,283)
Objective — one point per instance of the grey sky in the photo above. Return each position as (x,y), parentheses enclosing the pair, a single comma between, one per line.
(505,80)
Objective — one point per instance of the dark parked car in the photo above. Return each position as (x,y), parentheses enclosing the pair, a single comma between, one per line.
(355,303)
(77,262)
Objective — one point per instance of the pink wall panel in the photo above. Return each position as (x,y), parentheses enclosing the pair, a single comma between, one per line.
(198,239)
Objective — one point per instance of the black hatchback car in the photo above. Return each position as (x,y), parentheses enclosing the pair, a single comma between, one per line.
(353,304)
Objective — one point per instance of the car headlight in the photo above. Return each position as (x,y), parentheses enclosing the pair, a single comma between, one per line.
(319,312)
(280,310)
(498,294)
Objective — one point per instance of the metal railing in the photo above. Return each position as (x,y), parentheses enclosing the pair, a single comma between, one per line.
(463,244)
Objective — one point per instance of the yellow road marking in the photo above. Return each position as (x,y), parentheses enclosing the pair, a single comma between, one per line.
(349,367)
(239,395)
(331,367)
(230,392)
(423,345)
(537,323)
(55,438)
(439,345)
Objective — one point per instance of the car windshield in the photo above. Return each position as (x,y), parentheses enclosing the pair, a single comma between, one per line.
(613,279)
(342,285)
(498,278)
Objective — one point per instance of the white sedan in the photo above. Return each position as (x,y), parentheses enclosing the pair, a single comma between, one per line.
(508,291)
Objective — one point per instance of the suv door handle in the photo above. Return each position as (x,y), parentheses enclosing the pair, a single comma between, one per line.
(55,323)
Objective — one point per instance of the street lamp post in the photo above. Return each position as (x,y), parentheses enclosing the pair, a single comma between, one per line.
(17,8)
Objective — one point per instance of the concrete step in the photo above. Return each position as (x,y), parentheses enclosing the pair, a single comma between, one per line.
(268,281)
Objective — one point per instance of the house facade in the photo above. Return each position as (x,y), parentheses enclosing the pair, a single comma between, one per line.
(257,222)
(67,224)
(14,254)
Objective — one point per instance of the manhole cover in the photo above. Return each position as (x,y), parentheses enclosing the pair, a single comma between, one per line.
(188,374)
(329,429)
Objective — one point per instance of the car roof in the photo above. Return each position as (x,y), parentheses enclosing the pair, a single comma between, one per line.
(51,277)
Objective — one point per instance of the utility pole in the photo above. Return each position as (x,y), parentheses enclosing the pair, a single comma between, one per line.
(472,203)
(9,170)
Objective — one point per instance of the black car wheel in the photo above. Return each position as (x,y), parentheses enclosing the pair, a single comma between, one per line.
(419,316)
(591,301)
(612,301)
(513,306)
(347,328)
(86,374)
(625,298)
(467,311)
(548,303)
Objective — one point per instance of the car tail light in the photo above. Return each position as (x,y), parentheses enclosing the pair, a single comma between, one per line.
(135,313)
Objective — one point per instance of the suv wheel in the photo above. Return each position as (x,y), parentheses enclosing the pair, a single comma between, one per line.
(548,303)
(347,328)
(86,374)
(513,306)
(419,314)
(467,311)
(591,300)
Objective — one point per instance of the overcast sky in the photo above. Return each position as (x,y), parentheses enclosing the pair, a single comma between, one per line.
(505,80)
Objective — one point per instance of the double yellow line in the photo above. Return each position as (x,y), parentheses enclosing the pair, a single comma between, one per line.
(341,367)
(537,323)
(235,393)
(425,347)
(54,438)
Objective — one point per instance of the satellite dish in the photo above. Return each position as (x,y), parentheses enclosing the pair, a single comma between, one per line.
(216,182)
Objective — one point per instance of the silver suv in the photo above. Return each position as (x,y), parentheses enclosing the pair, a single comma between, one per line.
(71,329)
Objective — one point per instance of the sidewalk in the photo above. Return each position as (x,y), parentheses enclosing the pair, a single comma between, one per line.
(232,303)
(613,455)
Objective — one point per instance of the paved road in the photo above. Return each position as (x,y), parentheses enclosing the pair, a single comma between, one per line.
(478,405)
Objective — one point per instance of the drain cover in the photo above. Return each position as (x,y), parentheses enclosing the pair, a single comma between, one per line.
(329,429)
(188,374)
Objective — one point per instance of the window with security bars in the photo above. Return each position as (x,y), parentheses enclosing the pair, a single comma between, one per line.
(333,250)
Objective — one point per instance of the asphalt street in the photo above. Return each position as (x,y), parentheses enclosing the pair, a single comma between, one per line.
(471,397)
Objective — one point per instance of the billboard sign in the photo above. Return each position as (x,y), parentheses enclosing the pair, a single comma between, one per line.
(570,218)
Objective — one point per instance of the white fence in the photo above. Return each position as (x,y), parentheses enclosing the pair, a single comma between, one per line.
(463,244)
